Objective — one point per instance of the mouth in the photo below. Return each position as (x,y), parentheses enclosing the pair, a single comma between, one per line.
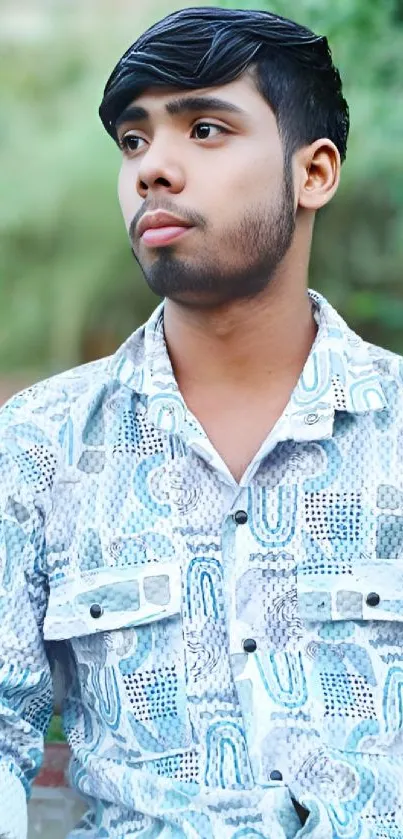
(156,237)
(159,228)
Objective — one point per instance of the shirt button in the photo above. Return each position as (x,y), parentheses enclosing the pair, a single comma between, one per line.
(96,610)
(249,645)
(240,517)
(275,775)
(310,419)
(373,599)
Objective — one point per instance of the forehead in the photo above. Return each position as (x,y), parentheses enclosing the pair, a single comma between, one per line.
(241,93)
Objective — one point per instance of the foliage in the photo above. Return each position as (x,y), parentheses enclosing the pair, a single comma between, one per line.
(55,732)
(70,289)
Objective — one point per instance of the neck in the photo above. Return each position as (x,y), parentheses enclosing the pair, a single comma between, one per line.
(246,344)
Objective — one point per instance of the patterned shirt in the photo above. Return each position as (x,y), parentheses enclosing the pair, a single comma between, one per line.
(230,651)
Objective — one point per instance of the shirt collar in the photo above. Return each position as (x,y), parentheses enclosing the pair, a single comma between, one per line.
(338,375)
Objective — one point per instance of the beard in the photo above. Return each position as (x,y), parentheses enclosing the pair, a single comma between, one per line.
(240,267)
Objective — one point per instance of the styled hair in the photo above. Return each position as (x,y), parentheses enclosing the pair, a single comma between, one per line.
(209,46)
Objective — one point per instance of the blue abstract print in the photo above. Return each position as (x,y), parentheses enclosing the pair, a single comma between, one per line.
(232,653)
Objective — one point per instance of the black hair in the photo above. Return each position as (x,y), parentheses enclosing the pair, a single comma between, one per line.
(210,46)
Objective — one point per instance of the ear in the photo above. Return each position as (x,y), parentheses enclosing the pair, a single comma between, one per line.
(317,174)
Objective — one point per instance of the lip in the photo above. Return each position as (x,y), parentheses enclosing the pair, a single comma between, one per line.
(158,219)
(158,237)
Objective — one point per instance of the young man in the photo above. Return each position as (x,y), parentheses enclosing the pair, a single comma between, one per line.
(206,529)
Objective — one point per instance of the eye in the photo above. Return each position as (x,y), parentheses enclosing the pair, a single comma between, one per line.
(207,130)
(131,143)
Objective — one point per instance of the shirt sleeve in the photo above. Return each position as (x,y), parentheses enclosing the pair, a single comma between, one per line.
(26,695)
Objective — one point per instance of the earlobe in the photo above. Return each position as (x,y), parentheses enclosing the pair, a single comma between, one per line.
(320,174)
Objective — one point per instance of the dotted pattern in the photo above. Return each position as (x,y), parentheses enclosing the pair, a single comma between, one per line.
(153,694)
(348,696)
(127,436)
(332,515)
(339,393)
(183,767)
(317,562)
(38,466)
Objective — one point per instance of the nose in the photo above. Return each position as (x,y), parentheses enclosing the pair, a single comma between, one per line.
(160,169)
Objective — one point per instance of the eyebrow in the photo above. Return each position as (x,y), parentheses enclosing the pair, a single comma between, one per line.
(179,107)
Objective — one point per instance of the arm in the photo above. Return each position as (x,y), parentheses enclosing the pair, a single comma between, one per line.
(25,677)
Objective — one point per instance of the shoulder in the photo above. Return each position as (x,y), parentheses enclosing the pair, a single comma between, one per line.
(387,364)
(388,367)
(41,424)
(45,403)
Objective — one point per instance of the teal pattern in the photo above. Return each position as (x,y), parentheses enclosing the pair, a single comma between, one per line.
(121,557)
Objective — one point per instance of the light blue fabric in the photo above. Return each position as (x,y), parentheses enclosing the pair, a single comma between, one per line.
(120,548)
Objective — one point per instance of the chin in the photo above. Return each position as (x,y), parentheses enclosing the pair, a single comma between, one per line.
(202,300)
(194,299)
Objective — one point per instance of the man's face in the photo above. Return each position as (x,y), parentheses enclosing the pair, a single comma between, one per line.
(212,161)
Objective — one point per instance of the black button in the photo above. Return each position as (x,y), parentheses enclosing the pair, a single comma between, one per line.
(373,599)
(96,610)
(276,775)
(249,645)
(241,517)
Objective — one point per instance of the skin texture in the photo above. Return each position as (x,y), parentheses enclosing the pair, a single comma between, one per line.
(238,322)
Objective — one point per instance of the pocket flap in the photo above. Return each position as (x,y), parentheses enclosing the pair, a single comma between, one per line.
(374,592)
(113,598)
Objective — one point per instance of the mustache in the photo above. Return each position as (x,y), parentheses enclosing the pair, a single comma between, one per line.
(190,216)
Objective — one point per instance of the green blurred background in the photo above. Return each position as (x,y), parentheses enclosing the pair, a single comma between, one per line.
(69,288)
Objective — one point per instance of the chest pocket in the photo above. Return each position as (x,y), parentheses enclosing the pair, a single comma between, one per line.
(354,624)
(124,628)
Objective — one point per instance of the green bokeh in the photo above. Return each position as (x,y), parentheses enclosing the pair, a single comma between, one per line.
(55,733)
(69,288)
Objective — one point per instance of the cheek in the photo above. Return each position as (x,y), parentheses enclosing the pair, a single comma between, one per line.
(128,197)
(252,176)
(240,191)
